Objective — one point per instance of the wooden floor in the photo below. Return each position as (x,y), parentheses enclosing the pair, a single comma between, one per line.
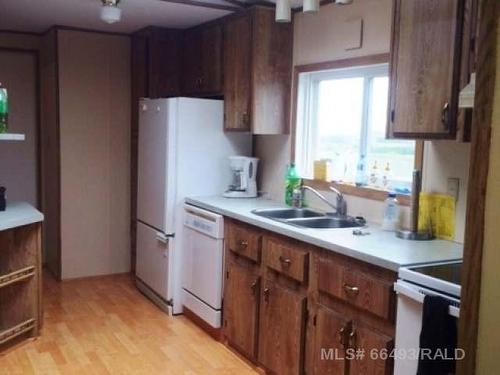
(105,326)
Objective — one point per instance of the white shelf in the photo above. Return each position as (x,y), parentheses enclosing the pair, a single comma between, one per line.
(11,137)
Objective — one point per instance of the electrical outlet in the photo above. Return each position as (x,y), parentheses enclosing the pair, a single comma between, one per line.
(453,186)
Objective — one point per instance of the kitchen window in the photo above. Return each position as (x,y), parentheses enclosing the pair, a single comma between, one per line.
(341,117)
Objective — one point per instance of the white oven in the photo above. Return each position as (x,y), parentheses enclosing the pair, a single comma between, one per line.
(203,252)
(414,284)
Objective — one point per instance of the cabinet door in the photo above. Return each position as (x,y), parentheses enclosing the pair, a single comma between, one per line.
(328,353)
(202,61)
(164,63)
(191,62)
(240,308)
(282,324)
(425,68)
(237,70)
(211,60)
(376,348)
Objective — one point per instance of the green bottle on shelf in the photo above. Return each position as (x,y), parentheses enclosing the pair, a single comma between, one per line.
(292,182)
(4,109)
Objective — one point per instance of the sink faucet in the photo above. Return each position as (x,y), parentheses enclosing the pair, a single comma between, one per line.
(340,206)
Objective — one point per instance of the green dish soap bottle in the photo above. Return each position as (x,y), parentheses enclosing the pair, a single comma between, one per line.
(4,109)
(292,182)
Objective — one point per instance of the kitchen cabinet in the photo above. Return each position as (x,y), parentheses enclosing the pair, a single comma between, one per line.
(282,327)
(376,348)
(329,351)
(241,303)
(425,68)
(257,72)
(293,308)
(156,58)
(202,61)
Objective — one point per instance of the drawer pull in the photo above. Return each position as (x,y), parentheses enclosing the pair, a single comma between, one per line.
(351,341)
(341,336)
(243,244)
(253,287)
(351,290)
(285,261)
(445,116)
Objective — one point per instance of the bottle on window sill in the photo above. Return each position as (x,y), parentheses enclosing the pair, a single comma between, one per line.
(374,179)
(386,177)
(361,178)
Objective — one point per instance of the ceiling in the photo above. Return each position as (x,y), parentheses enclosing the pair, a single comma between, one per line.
(39,15)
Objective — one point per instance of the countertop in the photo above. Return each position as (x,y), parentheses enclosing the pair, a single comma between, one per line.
(379,248)
(18,214)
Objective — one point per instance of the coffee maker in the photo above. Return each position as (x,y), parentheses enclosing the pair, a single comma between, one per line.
(243,172)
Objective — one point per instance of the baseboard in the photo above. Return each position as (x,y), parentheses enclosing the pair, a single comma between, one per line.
(216,333)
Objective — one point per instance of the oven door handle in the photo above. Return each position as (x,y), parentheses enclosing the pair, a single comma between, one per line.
(414,292)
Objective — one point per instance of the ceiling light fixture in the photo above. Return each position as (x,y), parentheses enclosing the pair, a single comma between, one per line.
(283,11)
(110,13)
(283,8)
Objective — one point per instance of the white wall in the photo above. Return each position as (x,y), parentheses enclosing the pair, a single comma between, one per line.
(94,88)
(19,160)
(319,37)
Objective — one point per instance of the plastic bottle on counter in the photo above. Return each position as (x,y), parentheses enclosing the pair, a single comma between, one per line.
(391,213)
(292,182)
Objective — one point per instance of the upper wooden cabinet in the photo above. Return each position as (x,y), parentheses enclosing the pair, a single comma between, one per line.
(156,62)
(257,72)
(202,61)
(425,68)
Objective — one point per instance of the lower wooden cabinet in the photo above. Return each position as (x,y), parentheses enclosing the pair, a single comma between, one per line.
(241,303)
(282,327)
(328,352)
(305,310)
(375,347)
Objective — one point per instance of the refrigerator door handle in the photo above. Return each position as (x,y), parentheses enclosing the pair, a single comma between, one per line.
(162,237)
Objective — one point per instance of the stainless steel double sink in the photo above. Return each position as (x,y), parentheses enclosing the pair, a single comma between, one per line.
(307,218)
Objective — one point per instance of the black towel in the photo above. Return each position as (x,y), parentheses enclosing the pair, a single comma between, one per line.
(439,336)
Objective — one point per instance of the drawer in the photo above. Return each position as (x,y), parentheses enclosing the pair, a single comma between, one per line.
(286,258)
(358,287)
(244,240)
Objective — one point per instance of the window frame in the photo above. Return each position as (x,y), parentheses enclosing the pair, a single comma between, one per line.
(372,60)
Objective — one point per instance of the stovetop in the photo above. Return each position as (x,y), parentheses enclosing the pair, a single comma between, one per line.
(442,277)
(450,272)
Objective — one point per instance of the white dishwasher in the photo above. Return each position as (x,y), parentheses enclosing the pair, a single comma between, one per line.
(203,253)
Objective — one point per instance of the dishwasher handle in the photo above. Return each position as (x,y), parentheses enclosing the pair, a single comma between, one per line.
(418,294)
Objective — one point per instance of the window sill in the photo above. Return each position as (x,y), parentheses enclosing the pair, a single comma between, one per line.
(363,192)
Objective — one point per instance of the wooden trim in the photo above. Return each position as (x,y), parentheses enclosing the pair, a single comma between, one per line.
(325,65)
(478,179)
(362,192)
(381,58)
(58,276)
(202,4)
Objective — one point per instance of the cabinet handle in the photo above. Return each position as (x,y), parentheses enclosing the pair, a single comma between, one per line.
(266,295)
(351,340)
(341,336)
(352,290)
(243,244)
(445,115)
(244,119)
(285,261)
(253,287)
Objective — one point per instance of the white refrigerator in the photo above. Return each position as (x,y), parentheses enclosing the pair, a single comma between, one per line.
(183,151)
